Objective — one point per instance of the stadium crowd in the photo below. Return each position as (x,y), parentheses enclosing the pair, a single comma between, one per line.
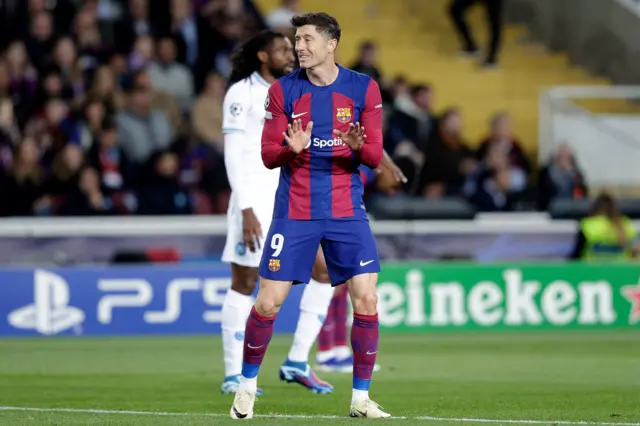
(115,107)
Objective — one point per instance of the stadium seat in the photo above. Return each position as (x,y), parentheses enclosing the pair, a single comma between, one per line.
(417,40)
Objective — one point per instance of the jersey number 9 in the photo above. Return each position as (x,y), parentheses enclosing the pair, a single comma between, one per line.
(277,242)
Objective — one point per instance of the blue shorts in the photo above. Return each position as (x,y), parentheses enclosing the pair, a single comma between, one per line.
(291,246)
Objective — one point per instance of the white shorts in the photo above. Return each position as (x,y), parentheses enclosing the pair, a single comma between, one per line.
(234,249)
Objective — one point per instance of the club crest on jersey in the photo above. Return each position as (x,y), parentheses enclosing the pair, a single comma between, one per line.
(343,115)
(267,102)
(274,265)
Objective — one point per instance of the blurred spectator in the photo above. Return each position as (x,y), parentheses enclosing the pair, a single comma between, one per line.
(51,87)
(40,40)
(280,19)
(448,160)
(163,194)
(492,193)
(411,125)
(203,174)
(494,18)
(232,31)
(171,77)
(65,58)
(496,184)
(143,129)
(117,63)
(606,234)
(84,130)
(161,101)
(396,91)
(196,44)
(9,136)
(105,88)
(207,113)
(23,187)
(46,129)
(9,130)
(89,39)
(24,83)
(137,23)
(561,178)
(64,171)
(5,80)
(86,198)
(110,161)
(367,62)
(502,138)
(10,21)
(142,54)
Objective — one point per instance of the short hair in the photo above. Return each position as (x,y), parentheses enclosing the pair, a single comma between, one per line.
(324,23)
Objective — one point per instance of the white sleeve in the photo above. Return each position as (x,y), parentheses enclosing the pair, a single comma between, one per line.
(235,108)
(234,120)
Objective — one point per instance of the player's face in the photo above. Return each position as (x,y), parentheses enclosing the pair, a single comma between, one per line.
(312,47)
(281,58)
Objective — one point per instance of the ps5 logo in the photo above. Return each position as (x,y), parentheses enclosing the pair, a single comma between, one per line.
(50,312)
(138,293)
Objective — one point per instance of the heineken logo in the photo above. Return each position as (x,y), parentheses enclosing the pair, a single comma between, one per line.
(542,297)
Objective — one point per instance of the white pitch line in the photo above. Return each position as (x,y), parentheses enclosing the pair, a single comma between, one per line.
(303,416)
(533,422)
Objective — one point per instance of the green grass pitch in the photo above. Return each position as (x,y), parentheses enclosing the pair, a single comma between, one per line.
(543,378)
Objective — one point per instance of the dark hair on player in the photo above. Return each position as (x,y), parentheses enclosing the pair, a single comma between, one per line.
(325,24)
(244,60)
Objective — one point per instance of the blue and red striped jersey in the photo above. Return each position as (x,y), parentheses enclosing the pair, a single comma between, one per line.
(323,181)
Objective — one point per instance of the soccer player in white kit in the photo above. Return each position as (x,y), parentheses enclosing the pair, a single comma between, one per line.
(256,64)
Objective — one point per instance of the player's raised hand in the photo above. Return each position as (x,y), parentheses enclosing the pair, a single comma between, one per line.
(297,138)
(354,137)
(251,230)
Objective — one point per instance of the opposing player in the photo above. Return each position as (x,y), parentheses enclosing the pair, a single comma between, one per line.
(256,64)
(322,122)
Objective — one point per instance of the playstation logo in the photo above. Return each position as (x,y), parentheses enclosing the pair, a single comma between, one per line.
(50,312)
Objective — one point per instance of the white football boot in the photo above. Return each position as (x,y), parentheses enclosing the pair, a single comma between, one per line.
(242,407)
(367,409)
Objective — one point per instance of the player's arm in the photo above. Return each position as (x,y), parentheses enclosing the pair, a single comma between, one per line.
(274,154)
(234,123)
(388,164)
(236,148)
(371,119)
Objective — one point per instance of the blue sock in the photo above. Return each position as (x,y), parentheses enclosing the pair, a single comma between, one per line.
(250,371)
(361,384)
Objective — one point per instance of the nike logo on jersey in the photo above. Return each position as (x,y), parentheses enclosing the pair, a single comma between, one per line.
(298,115)
(372,353)
(363,263)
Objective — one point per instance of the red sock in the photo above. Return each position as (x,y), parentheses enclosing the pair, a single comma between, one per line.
(325,338)
(364,341)
(340,308)
(256,340)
